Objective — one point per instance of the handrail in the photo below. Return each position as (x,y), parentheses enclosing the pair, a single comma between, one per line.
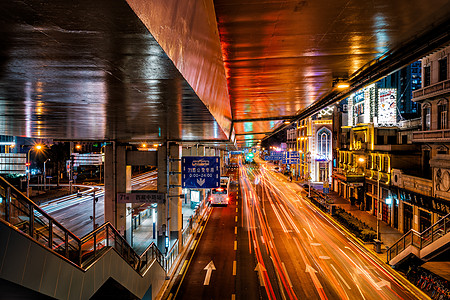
(29,218)
(420,240)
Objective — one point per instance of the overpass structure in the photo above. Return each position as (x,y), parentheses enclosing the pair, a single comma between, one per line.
(197,77)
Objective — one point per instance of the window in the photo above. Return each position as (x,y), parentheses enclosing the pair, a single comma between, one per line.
(426,118)
(323,143)
(426,76)
(385,164)
(443,69)
(442,115)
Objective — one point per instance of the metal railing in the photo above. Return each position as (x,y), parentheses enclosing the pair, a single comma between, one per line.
(22,213)
(195,220)
(420,240)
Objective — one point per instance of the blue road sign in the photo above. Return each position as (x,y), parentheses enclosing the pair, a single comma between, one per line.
(326,190)
(200,172)
(294,154)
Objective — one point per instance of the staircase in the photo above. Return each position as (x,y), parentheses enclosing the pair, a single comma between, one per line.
(40,254)
(425,246)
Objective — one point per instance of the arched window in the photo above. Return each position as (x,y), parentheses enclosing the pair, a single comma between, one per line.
(324,143)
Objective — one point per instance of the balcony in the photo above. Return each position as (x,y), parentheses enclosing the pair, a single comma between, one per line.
(433,90)
(347,176)
(442,135)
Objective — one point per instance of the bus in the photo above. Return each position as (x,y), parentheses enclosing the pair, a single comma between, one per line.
(219,196)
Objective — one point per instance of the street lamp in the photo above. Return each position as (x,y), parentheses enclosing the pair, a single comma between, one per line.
(101,152)
(37,148)
(48,159)
(378,206)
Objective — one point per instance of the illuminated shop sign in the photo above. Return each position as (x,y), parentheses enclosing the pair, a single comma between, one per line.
(387,107)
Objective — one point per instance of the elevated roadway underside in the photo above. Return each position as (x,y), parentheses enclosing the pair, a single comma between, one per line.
(195,70)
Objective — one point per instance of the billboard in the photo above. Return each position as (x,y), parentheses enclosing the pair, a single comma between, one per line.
(387,107)
(200,172)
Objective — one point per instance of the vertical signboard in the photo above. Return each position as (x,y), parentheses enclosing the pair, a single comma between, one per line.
(200,172)
(387,107)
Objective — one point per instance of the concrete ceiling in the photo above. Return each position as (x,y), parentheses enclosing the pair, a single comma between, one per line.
(194,70)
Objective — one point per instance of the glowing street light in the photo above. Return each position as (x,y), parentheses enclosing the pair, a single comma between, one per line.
(36,148)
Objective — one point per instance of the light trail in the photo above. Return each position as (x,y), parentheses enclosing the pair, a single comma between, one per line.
(358,275)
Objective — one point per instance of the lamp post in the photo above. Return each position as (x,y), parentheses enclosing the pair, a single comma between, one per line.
(378,206)
(37,147)
(101,165)
(45,173)
(308,161)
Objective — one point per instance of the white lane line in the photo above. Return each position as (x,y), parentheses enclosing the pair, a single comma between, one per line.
(342,279)
(287,275)
(308,234)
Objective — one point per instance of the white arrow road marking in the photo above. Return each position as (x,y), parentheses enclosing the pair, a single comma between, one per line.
(383,283)
(260,268)
(314,278)
(209,268)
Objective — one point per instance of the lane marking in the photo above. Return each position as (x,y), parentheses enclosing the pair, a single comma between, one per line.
(233,297)
(209,268)
(184,266)
(235,219)
(287,275)
(234,267)
(193,244)
(237,209)
(235,229)
(235,245)
(262,239)
(170,296)
(342,279)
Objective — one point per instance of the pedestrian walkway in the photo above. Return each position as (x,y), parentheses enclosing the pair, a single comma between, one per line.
(143,235)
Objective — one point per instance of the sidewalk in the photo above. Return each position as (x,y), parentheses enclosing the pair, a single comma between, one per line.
(388,234)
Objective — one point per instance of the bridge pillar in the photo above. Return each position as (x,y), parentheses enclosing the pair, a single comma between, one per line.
(117,180)
(170,217)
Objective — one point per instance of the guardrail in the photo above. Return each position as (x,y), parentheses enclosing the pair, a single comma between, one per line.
(18,210)
(420,240)
(174,251)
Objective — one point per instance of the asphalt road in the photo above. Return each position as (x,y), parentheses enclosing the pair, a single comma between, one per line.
(75,213)
(306,255)
(272,243)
